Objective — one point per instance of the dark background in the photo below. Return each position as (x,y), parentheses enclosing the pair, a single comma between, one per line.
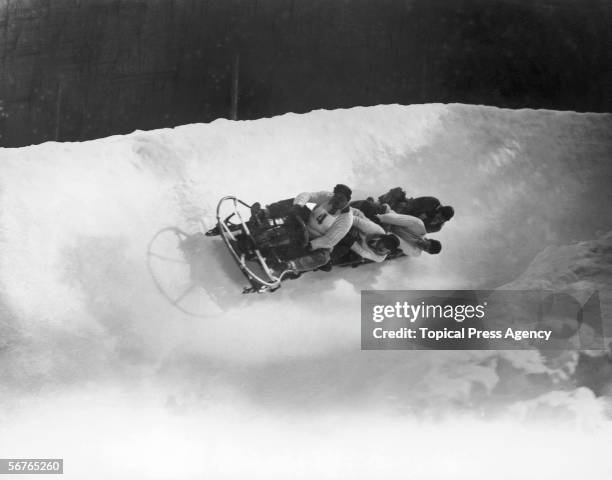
(81,69)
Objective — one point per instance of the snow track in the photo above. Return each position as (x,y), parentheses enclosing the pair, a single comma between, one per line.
(79,312)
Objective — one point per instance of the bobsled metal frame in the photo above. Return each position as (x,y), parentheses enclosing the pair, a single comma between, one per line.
(258,284)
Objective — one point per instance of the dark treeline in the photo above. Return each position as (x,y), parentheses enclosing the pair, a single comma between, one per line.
(80,69)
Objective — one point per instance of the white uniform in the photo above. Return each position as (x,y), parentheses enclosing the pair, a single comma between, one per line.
(408,228)
(367,229)
(325,230)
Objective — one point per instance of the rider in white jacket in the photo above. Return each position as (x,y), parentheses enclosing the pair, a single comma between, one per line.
(412,231)
(329,221)
(372,242)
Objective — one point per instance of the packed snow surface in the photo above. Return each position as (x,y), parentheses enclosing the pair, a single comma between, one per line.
(96,366)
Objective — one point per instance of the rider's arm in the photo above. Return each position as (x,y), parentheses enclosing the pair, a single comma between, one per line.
(433,228)
(363,224)
(408,241)
(412,224)
(312,197)
(409,249)
(336,232)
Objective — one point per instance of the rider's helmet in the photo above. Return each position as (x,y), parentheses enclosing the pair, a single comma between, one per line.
(433,246)
(384,244)
(393,197)
(447,212)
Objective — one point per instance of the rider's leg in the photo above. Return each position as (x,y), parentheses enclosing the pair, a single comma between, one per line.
(344,246)
(312,260)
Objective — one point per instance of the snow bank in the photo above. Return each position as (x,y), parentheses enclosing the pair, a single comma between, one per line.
(77,306)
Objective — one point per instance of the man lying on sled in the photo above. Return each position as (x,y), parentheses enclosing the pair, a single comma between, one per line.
(327,223)
(366,241)
(428,209)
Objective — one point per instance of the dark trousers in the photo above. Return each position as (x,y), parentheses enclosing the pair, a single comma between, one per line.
(343,247)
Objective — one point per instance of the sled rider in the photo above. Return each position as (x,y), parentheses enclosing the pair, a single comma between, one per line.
(428,209)
(328,222)
(365,241)
(411,230)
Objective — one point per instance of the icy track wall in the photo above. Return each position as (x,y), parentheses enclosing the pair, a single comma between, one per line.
(79,312)
(76,218)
